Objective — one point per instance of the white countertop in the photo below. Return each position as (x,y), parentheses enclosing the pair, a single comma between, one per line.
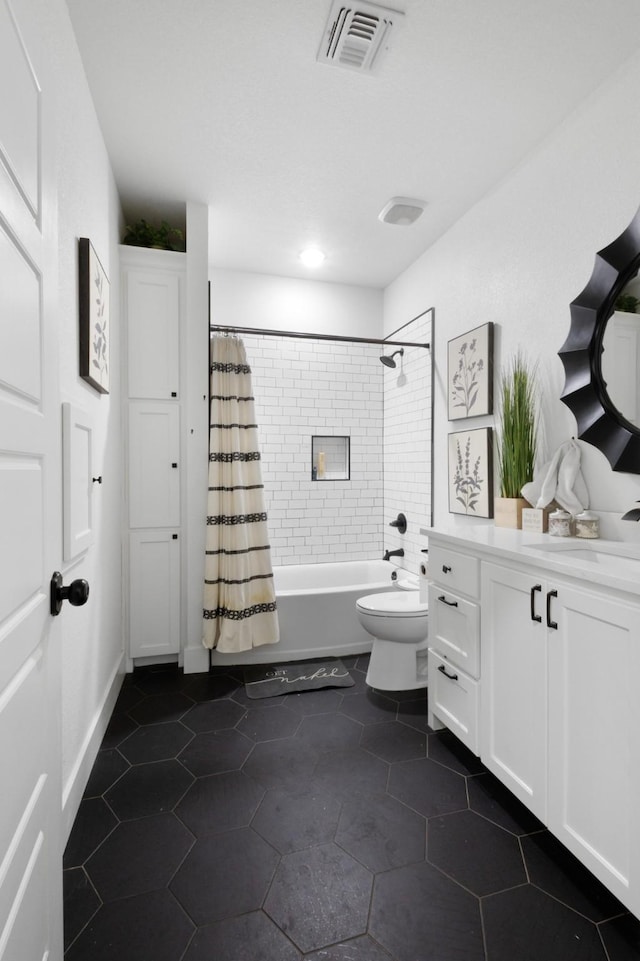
(612,564)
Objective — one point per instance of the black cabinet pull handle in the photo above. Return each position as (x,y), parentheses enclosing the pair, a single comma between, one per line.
(445,569)
(443,670)
(174,465)
(534,616)
(552,624)
(448,603)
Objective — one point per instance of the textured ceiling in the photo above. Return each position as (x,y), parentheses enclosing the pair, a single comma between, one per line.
(223,103)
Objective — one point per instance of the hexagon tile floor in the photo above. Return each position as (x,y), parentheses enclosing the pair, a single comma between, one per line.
(332,825)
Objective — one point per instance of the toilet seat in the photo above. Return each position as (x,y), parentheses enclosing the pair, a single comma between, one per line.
(402,604)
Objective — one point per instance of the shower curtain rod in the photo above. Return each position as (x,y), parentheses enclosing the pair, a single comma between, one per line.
(336,337)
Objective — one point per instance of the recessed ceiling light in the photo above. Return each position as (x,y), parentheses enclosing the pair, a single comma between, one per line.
(312,257)
(402,211)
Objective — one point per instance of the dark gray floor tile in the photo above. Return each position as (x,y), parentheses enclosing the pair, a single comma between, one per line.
(351,774)
(213,716)
(155,742)
(294,821)
(490,798)
(418,914)
(108,767)
(324,701)
(393,741)
(328,732)
(149,789)
(445,748)
(216,752)
(359,949)
(119,727)
(281,765)
(414,713)
(320,896)
(208,687)
(139,856)
(210,885)
(476,853)
(622,938)
(427,787)
(555,870)
(526,924)
(160,679)
(220,802)
(265,724)
(369,707)
(128,697)
(80,903)
(382,834)
(150,927)
(161,708)
(94,822)
(252,936)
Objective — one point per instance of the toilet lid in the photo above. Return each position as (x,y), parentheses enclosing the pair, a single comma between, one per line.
(402,604)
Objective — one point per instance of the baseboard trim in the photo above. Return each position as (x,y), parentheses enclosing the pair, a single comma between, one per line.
(77,781)
(195,660)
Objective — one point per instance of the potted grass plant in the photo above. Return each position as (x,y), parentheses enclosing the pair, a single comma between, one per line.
(517,439)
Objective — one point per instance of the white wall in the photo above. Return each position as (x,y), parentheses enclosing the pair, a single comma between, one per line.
(88,206)
(520,256)
(286,303)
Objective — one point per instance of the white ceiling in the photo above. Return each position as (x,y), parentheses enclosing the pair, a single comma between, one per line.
(222,102)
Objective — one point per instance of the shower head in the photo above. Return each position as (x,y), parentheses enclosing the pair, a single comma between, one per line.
(389,361)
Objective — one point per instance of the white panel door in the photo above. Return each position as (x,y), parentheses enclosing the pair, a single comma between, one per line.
(30,505)
(154,605)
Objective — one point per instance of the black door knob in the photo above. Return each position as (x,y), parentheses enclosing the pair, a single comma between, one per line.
(76,593)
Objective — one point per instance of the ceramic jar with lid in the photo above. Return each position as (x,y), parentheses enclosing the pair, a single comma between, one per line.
(587,524)
(560,523)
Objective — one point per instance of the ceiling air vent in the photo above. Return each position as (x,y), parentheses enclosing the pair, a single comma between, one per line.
(356,36)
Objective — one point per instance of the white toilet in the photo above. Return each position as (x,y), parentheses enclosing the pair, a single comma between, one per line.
(399,624)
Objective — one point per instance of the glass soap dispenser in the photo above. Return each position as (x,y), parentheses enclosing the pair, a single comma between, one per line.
(560,523)
(587,524)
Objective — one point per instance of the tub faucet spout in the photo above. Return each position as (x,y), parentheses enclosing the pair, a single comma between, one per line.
(633,514)
(389,554)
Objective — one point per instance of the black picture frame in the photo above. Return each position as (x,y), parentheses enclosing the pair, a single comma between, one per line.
(470,373)
(93,318)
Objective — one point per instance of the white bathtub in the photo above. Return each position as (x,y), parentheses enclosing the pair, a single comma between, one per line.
(317,612)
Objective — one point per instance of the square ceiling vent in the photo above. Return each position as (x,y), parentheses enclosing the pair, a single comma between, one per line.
(356,37)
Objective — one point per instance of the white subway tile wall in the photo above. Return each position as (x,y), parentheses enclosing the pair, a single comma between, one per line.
(304,388)
(407,444)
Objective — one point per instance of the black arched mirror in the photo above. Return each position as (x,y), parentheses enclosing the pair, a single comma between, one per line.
(601,354)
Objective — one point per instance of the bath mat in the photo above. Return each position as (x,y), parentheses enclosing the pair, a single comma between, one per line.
(272,680)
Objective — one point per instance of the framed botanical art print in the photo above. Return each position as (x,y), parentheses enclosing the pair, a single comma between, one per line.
(470,373)
(93,290)
(471,472)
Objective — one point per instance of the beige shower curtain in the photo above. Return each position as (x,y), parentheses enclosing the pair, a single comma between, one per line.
(239,595)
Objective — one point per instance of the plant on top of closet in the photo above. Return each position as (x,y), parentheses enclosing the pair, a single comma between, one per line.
(144,234)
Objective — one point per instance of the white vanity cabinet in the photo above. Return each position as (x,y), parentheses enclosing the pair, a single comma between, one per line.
(560,725)
(454,643)
(153,310)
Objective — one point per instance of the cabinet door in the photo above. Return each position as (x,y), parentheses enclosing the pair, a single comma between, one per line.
(154,467)
(594,735)
(152,301)
(154,593)
(513,715)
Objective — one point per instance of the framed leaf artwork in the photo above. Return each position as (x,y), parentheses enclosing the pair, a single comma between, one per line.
(93,290)
(471,472)
(470,373)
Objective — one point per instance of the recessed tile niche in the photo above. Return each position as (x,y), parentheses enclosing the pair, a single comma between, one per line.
(330,458)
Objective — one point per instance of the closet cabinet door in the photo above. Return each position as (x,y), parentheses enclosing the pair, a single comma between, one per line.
(154,593)
(152,305)
(154,465)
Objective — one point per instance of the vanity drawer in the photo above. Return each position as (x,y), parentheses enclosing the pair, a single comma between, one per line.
(453,700)
(455,571)
(454,628)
